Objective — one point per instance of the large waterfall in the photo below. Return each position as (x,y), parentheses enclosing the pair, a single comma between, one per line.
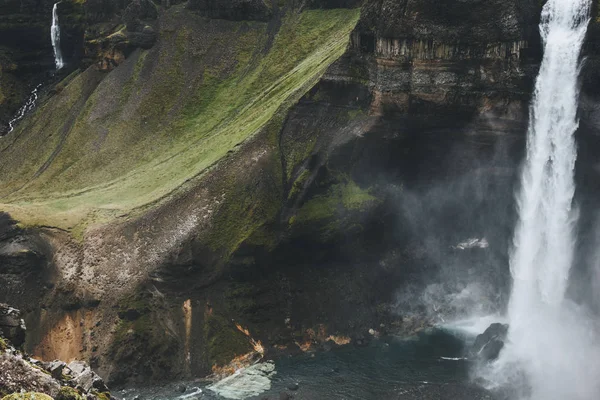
(55,36)
(551,352)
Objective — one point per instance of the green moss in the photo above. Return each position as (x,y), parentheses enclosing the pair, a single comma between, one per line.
(68,393)
(347,196)
(241,299)
(3,344)
(224,341)
(102,395)
(172,124)
(27,396)
(328,213)
(298,184)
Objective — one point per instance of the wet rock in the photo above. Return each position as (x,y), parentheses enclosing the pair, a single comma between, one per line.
(284,396)
(488,345)
(293,386)
(181,388)
(361,341)
(374,333)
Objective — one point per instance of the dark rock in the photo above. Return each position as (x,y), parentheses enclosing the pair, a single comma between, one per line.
(237,10)
(453,20)
(56,368)
(12,326)
(325,4)
(284,396)
(293,386)
(144,39)
(181,388)
(488,345)
(136,12)
(129,315)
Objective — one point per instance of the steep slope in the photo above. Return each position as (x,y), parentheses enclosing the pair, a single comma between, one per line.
(101,147)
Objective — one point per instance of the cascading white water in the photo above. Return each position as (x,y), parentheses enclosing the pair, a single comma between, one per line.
(27,107)
(551,351)
(55,36)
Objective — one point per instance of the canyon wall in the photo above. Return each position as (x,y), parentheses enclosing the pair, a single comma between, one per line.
(292,169)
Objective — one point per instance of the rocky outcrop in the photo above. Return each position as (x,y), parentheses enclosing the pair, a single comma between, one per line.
(489,344)
(24,272)
(20,373)
(17,373)
(426,62)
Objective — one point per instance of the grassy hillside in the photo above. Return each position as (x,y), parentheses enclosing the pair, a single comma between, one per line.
(103,146)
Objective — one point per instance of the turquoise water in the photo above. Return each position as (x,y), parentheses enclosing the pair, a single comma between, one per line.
(429,366)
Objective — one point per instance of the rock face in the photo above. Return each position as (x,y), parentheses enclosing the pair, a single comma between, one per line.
(23,265)
(19,373)
(12,327)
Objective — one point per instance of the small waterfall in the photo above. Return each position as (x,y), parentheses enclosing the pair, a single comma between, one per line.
(28,106)
(55,34)
(551,351)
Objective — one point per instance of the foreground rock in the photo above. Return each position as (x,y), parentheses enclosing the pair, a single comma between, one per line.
(251,381)
(488,345)
(26,378)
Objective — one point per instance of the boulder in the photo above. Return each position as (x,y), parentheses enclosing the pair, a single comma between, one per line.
(488,345)
(55,368)
(85,378)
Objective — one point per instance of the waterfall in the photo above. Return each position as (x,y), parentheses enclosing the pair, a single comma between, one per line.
(55,35)
(551,351)
(28,106)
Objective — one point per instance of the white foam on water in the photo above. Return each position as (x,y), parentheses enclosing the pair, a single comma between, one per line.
(195,392)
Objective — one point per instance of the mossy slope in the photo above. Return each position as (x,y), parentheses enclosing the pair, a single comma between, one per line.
(97,151)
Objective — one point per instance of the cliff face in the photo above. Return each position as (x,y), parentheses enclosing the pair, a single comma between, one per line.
(290,167)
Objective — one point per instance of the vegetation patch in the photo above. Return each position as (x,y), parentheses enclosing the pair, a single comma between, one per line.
(330,213)
(225,342)
(68,393)
(163,118)
(27,396)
